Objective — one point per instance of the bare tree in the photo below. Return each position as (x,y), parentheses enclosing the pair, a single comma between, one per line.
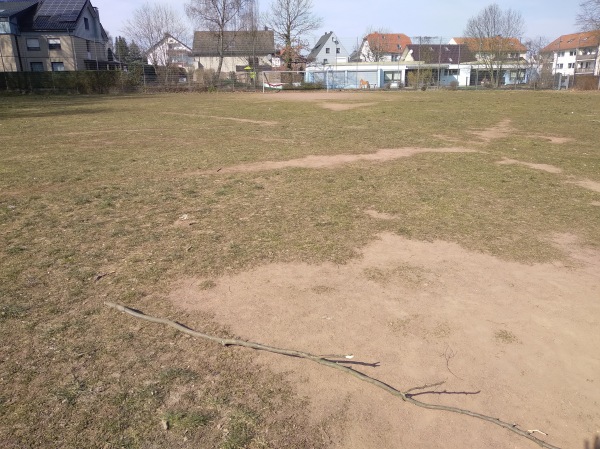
(218,16)
(290,20)
(539,65)
(150,24)
(492,35)
(588,18)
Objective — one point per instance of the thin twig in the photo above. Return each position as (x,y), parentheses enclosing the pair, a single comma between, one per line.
(437,384)
(101,275)
(449,355)
(335,365)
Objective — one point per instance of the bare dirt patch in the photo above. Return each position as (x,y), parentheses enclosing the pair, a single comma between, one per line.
(553,139)
(504,129)
(587,184)
(345,106)
(500,131)
(380,215)
(524,336)
(544,167)
(233,119)
(337,160)
(316,95)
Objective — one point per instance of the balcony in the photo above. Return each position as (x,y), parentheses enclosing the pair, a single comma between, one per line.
(588,71)
(590,57)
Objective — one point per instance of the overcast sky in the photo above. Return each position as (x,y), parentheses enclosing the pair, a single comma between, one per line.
(350,19)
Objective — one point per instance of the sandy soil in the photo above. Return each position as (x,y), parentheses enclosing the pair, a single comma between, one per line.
(525,337)
(336,160)
(504,129)
(588,184)
(345,106)
(517,342)
(544,167)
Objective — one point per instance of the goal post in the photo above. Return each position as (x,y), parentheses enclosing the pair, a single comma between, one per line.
(282,80)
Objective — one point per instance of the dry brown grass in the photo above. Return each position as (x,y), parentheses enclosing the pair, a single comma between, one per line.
(91,194)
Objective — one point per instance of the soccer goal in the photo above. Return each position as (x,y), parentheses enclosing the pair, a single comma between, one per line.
(279,80)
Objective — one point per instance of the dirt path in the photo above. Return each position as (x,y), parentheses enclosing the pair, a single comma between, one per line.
(526,337)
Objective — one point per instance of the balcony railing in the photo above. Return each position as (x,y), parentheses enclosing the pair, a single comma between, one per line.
(590,57)
(584,71)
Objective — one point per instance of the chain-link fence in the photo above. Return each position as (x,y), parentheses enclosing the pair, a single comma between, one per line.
(146,78)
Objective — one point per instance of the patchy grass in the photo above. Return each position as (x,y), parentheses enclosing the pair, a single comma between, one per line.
(91,194)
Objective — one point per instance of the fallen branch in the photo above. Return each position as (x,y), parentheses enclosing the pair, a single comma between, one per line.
(336,364)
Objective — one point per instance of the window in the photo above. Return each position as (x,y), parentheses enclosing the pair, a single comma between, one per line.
(338,50)
(37,66)
(86,23)
(53,43)
(560,53)
(391,76)
(58,67)
(559,66)
(572,53)
(325,61)
(33,44)
(327,50)
(4,25)
(571,65)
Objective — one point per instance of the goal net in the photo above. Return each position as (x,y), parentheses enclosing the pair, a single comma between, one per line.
(278,80)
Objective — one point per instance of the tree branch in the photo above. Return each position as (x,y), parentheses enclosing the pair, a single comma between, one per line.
(336,364)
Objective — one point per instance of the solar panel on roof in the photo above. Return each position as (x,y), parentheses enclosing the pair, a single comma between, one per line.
(52,7)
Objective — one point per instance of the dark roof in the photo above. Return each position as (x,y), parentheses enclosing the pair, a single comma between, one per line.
(58,14)
(440,54)
(9,9)
(237,43)
(317,48)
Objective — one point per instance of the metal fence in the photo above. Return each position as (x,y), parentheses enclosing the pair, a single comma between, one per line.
(144,78)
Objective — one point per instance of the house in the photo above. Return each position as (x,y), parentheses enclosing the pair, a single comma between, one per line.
(240,49)
(574,54)
(443,60)
(170,52)
(297,60)
(501,60)
(382,47)
(509,49)
(328,50)
(52,35)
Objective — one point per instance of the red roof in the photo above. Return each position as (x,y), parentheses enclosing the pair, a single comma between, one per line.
(490,44)
(388,42)
(572,41)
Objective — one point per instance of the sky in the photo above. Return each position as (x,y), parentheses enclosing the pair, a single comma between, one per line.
(351,19)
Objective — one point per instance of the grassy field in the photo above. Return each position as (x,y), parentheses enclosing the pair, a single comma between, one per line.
(92,191)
